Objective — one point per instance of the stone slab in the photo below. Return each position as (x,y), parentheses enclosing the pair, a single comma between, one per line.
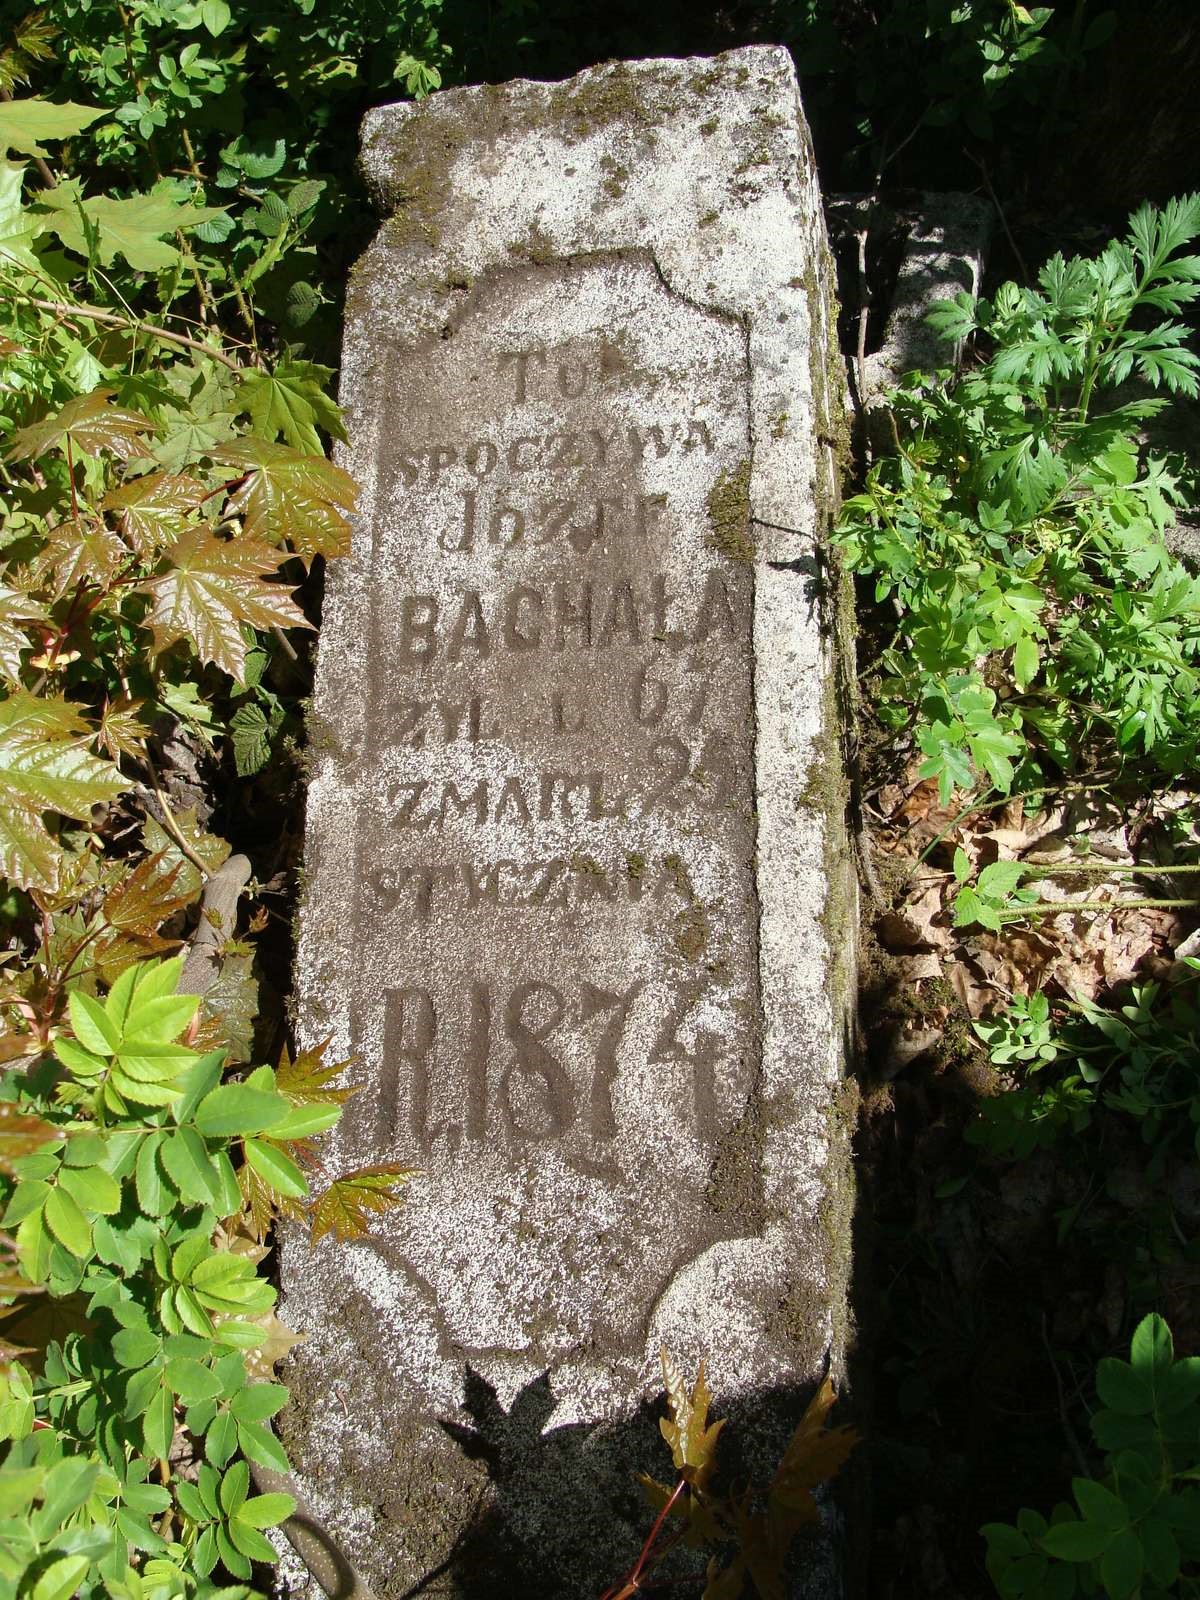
(577,897)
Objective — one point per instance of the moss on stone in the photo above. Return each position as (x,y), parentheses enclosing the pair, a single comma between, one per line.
(729,514)
(692,933)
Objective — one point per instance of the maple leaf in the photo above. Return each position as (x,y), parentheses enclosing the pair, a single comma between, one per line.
(693,1443)
(203,846)
(290,497)
(121,730)
(144,898)
(278,1339)
(21,1134)
(150,510)
(291,402)
(814,1454)
(306,1080)
(263,1204)
(16,608)
(45,765)
(133,227)
(213,587)
(24,122)
(90,423)
(18,228)
(81,549)
(343,1208)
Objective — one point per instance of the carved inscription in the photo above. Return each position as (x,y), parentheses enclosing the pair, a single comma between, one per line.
(503,1067)
(559,851)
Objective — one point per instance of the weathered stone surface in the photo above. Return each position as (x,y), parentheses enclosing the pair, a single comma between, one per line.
(577,894)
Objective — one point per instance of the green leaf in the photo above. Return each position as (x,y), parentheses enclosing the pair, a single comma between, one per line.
(261,1446)
(249,1541)
(186,1160)
(215,15)
(133,227)
(18,227)
(158,1425)
(62,1577)
(136,1347)
(234,1109)
(258,1402)
(303,1121)
(151,1191)
(68,1224)
(235,1486)
(1124,1389)
(1026,661)
(250,732)
(1099,1504)
(92,1188)
(192,1381)
(91,1024)
(291,403)
(24,123)
(1121,1566)
(221,1439)
(276,1169)
(1076,1541)
(267,1510)
(1151,1351)
(158,1019)
(34,1245)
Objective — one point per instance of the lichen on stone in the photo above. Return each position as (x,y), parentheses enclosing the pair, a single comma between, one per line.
(729,514)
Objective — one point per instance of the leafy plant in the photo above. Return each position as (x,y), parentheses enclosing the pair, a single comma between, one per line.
(163,489)
(1135,1059)
(1136,1529)
(1043,626)
(135,1179)
(751,1533)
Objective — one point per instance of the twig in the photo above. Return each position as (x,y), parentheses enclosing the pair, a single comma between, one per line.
(1052,908)
(115,319)
(995,199)
(171,825)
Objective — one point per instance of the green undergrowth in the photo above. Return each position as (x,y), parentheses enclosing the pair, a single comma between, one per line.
(165,188)
(1040,639)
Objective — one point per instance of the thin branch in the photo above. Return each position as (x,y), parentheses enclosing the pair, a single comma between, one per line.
(995,199)
(117,319)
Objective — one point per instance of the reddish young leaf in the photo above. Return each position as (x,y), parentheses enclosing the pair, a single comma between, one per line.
(813,1455)
(21,1134)
(80,550)
(150,510)
(693,1443)
(307,1080)
(343,1208)
(213,587)
(16,610)
(91,424)
(288,496)
(146,897)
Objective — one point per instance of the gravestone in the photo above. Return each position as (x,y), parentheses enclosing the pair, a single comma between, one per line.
(577,898)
